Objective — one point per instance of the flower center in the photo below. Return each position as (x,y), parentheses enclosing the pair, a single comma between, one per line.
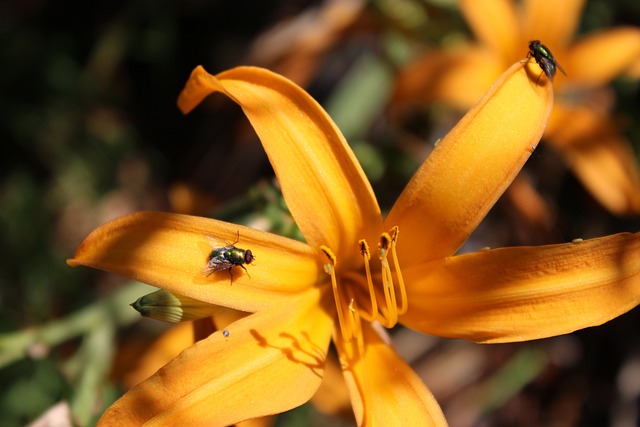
(346,299)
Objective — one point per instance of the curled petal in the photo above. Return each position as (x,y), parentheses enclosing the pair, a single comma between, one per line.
(267,363)
(525,293)
(598,58)
(322,182)
(170,251)
(471,167)
(385,391)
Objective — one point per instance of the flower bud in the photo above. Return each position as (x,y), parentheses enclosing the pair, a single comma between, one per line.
(169,307)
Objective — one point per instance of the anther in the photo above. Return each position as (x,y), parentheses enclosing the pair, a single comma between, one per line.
(364,249)
(394,234)
(329,254)
(385,242)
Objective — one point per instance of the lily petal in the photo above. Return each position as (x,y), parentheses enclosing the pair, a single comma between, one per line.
(170,251)
(385,391)
(278,352)
(323,184)
(600,158)
(614,50)
(165,348)
(459,77)
(525,293)
(332,396)
(607,167)
(572,124)
(634,70)
(495,24)
(471,167)
(552,21)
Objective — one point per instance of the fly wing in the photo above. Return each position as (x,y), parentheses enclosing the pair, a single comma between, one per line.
(216,263)
(560,68)
(216,260)
(217,243)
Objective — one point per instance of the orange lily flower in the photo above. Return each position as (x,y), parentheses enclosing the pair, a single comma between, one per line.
(579,127)
(335,287)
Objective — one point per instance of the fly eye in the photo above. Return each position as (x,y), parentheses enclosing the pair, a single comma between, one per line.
(248,256)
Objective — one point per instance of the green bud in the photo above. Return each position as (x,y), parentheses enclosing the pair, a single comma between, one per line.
(169,307)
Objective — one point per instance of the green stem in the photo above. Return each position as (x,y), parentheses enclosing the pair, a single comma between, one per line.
(114,309)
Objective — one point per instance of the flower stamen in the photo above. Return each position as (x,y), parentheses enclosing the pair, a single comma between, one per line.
(366,254)
(395,296)
(388,314)
(396,267)
(346,328)
(391,315)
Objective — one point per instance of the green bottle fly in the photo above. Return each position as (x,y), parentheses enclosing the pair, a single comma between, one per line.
(544,58)
(226,257)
